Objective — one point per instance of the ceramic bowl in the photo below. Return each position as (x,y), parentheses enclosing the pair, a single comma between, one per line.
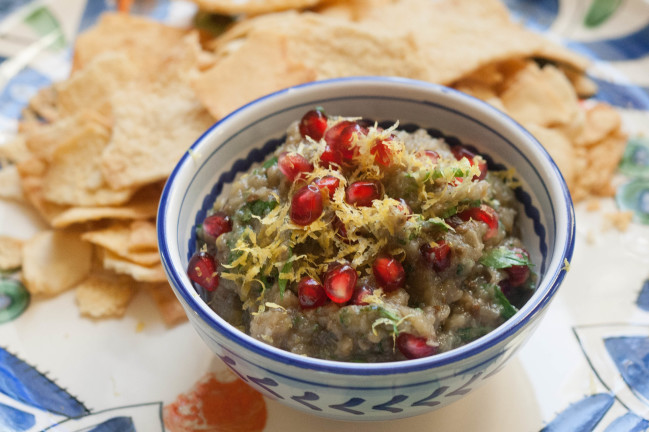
(353,391)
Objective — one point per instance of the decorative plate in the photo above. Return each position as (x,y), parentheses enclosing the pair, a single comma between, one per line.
(586,368)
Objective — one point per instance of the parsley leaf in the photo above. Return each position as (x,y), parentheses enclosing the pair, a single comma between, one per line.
(270,162)
(258,208)
(436,222)
(448,212)
(281,283)
(508,310)
(503,257)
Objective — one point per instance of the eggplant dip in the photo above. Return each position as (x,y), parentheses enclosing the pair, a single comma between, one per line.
(358,243)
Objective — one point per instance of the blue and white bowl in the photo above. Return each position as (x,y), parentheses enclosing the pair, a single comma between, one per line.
(353,391)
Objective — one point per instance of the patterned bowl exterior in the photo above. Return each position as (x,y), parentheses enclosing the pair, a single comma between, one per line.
(351,391)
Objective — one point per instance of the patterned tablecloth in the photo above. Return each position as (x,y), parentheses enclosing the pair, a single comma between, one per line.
(586,368)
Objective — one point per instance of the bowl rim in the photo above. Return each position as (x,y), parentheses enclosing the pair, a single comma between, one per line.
(496,336)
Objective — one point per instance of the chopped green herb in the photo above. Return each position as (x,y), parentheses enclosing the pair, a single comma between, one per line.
(508,310)
(503,257)
(258,208)
(448,212)
(233,255)
(436,222)
(468,334)
(385,313)
(270,162)
(459,270)
(282,281)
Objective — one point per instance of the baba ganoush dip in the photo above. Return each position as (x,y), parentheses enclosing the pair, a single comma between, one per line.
(358,243)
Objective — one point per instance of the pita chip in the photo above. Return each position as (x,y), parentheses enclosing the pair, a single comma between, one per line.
(168,305)
(55,261)
(10,253)
(542,96)
(252,7)
(104,295)
(153,128)
(115,238)
(10,184)
(141,273)
(144,41)
(90,89)
(74,177)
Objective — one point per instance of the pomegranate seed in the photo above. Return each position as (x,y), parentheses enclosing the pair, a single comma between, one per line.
(339,283)
(431,154)
(310,293)
(306,205)
(439,256)
(485,214)
(313,124)
(389,273)
(359,295)
(217,224)
(333,135)
(341,138)
(293,164)
(341,229)
(330,156)
(328,184)
(462,152)
(362,193)
(518,274)
(414,347)
(202,270)
(381,151)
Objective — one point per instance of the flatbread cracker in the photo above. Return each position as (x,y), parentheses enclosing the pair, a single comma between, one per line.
(10,253)
(44,139)
(91,88)
(144,41)
(55,261)
(142,236)
(31,176)
(542,96)
(601,120)
(138,272)
(143,205)
(74,177)
(115,238)
(10,184)
(44,104)
(455,37)
(74,215)
(153,128)
(601,160)
(297,48)
(170,309)
(561,150)
(104,295)
(14,151)
(252,7)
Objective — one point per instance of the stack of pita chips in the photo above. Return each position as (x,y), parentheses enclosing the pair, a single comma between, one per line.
(92,157)
(94,150)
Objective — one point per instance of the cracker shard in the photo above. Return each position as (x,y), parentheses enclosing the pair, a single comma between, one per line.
(104,295)
(153,128)
(55,261)
(10,253)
